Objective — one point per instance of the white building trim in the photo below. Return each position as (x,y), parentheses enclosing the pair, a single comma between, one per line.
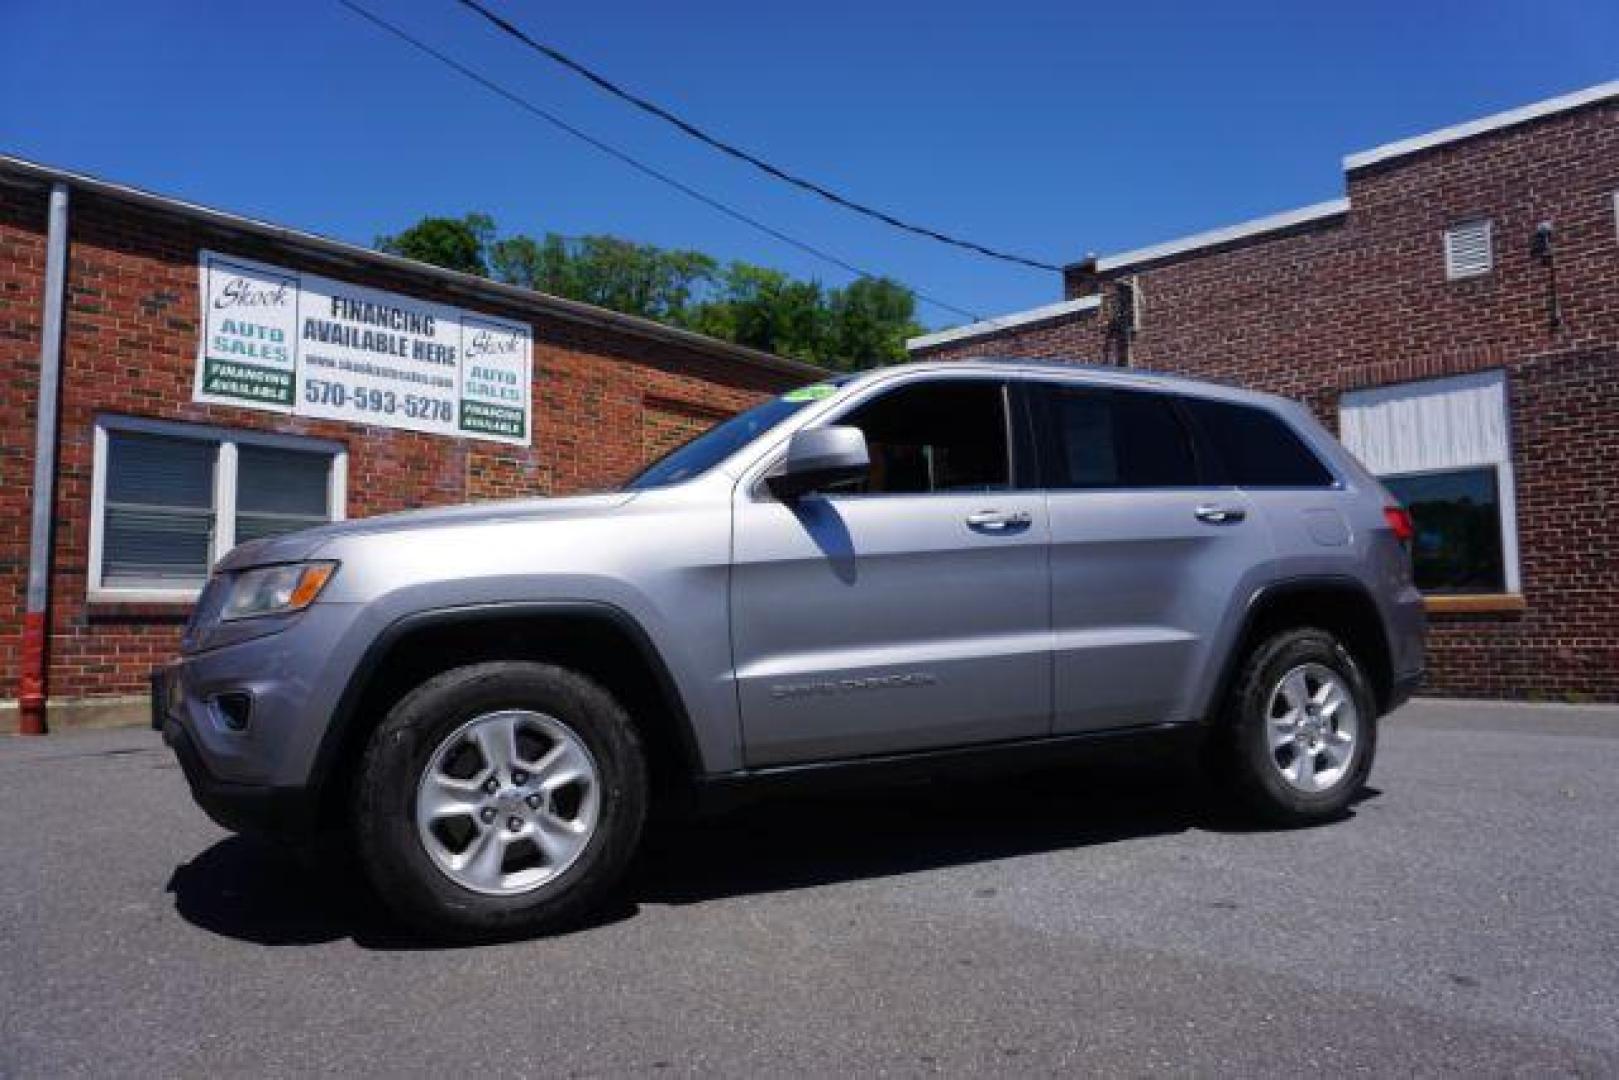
(1417,143)
(225,441)
(1287,219)
(1004,322)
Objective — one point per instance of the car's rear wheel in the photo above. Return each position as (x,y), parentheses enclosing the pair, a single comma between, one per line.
(1300,728)
(500,799)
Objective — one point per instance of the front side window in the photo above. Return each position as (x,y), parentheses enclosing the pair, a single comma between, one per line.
(1103,438)
(1255,448)
(171,499)
(1441,447)
(931,437)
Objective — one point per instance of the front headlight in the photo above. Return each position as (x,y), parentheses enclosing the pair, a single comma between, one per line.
(276,590)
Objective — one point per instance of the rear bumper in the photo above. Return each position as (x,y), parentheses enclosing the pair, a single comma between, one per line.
(260,809)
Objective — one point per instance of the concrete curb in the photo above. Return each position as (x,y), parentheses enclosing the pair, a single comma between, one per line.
(85,714)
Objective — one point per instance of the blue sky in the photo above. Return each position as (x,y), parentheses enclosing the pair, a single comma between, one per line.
(1055,128)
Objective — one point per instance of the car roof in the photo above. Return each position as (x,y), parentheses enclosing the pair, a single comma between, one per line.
(1089,373)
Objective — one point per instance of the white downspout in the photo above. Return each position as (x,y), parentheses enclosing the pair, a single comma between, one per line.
(32,689)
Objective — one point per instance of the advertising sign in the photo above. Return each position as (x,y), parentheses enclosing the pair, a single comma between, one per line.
(300,343)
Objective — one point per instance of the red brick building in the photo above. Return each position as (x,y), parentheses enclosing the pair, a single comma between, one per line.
(151,483)
(1455,318)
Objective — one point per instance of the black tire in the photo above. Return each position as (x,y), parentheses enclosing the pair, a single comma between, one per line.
(391,851)
(1243,757)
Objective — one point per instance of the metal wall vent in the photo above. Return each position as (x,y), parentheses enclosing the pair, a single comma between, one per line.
(1468,250)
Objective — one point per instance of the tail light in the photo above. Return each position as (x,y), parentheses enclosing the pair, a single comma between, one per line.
(1399,519)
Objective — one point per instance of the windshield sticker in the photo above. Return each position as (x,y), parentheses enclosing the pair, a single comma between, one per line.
(812,392)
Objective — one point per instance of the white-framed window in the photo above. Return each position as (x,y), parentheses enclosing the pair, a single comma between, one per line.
(1443,448)
(169,500)
(1469,249)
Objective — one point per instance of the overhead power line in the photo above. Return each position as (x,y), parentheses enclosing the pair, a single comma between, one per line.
(732,150)
(636,164)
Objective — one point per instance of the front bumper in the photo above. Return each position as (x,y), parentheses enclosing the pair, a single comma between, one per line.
(267,809)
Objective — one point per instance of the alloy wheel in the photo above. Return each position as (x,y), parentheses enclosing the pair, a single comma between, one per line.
(1312,725)
(508,801)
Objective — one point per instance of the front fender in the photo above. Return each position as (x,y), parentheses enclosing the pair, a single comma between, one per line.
(346,721)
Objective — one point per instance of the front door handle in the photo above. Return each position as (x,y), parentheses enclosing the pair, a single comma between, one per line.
(1220,515)
(999,520)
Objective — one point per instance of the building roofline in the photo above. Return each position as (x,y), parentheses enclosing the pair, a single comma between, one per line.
(1510,118)
(345,253)
(1244,230)
(1321,211)
(1003,323)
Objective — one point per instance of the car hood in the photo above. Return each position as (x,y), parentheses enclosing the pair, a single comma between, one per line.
(308,543)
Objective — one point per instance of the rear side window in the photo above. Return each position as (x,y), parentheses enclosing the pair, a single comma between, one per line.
(1255,447)
(1099,438)
(926,437)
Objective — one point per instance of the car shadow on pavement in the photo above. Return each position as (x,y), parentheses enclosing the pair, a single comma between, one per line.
(790,843)
(258,892)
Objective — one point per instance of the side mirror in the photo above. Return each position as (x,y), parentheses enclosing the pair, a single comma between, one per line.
(818,458)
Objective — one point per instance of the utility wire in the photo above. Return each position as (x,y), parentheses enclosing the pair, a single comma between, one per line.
(639,166)
(740,154)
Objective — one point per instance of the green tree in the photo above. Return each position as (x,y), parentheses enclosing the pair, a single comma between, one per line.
(765,309)
(861,324)
(453,243)
(871,318)
(638,279)
(543,265)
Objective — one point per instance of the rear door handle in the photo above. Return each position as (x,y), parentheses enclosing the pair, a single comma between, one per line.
(999,520)
(1220,515)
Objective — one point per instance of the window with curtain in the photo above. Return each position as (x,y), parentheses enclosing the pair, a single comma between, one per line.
(171,499)
(1442,448)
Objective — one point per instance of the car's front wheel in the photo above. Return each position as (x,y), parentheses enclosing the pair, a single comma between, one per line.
(500,799)
(1300,728)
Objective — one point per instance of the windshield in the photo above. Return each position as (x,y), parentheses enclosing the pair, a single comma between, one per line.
(718,443)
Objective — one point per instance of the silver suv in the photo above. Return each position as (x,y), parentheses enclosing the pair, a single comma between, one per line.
(922,567)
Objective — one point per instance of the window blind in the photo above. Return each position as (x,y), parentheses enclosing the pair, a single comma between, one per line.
(160,510)
(279,491)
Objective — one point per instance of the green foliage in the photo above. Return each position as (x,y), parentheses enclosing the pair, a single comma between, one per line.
(454,243)
(637,279)
(860,325)
(872,317)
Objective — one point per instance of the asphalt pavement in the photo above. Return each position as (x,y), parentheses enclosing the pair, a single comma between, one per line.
(1463,920)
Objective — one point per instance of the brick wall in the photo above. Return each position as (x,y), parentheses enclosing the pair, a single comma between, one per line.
(666,424)
(1075,338)
(602,399)
(1362,300)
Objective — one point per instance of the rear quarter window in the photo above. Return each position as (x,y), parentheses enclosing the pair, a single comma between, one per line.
(1255,448)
